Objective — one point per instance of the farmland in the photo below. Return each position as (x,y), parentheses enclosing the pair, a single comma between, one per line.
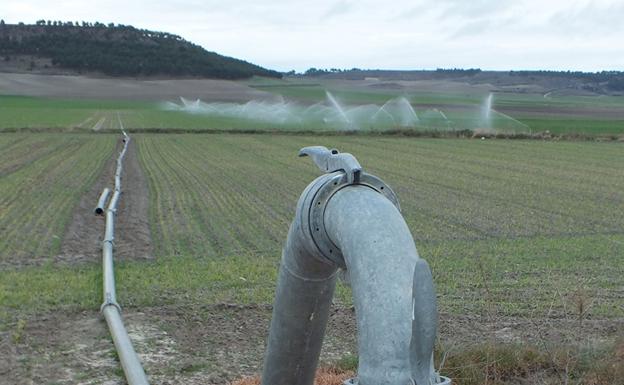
(94,105)
(150,231)
(522,217)
(494,203)
(567,115)
(524,237)
(43,177)
(517,232)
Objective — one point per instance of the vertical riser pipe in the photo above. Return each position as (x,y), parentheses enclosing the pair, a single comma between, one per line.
(303,298)
(380,255)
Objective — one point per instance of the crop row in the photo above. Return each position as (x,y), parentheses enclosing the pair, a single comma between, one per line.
(513,219)
(42,178)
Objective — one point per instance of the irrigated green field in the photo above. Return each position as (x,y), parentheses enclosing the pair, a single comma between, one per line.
(450,107)
(524,226)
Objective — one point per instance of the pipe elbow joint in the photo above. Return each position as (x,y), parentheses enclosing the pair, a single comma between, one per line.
(356,225)
(310,219)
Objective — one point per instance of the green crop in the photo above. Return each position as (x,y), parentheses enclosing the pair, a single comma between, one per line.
(518,228)
(42,178)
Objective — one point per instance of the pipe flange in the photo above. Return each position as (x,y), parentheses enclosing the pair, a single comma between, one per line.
(332,183)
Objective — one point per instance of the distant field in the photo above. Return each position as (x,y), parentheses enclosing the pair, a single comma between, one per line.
(42,178)
(461,104)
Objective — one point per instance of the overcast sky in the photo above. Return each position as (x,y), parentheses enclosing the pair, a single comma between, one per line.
(279,34)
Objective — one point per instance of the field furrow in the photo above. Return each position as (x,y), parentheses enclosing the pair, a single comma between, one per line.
(448,189)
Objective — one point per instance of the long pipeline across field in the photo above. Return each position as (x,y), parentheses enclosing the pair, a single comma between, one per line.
(135,375)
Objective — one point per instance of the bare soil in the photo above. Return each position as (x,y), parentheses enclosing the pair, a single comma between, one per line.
(596,111)
(77,87)
(29,64)
(83,239)
(215,344)
(132,230)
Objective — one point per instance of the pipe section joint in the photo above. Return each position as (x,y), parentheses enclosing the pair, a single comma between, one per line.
(110,302)
(312,205)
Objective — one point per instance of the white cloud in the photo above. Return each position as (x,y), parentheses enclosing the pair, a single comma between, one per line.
(282,34)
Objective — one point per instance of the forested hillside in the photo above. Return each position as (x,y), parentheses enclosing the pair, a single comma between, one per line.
(119,50)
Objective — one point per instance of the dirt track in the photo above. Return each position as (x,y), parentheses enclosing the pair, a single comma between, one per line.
(82,241)
(204,345)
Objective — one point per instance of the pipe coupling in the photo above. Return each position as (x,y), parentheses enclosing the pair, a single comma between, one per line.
(109,301)
(311,210)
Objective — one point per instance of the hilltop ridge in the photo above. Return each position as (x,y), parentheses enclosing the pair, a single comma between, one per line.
(114,50)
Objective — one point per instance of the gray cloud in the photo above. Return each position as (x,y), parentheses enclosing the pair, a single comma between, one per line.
(286,34)
(340,7)
(593,18)
(472,9)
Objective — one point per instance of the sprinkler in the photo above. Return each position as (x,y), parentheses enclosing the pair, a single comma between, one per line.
(348,219)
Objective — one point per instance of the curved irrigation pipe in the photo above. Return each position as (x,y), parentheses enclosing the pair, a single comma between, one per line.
(349,219)
(135,375)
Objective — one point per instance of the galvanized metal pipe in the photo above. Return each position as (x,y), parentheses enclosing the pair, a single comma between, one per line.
(424,326)
(115,200)
(127,356)
(381,257)
(135,375)
(304,292)
(351,219)
(101,205)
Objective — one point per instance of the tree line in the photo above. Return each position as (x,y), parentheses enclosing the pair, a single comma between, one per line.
(613,80)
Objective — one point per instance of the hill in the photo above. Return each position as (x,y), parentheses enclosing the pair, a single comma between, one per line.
(115,50)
